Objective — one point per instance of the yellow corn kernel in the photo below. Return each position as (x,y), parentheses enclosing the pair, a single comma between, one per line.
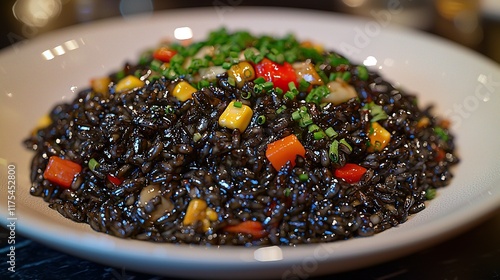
(183,91)
(211,215)
(128,83)
(306,71)
(100,85)
(43,122)
(236,115)
(241,73)
(205,225)
(423,122)
(195,212)
(379,137)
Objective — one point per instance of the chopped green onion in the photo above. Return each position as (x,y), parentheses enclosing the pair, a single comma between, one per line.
(93,164)
(237,104)
(155,65)
(330,132)
(362,72)
(289,95)
(313,128)
(441,133)
(333,152)
(278,90)
(226,65)
(231,81)
(169,109)
(319,135)
(267,86)
(346,76)
(304,122)
(296,116)
(303,85)
(333,76)
(344,142)
(203,83)
(259,80)
(430,193)
(281,109)
(261,120)
(376,111)
(303,177)
(246,95)
(287,192)
(196,137)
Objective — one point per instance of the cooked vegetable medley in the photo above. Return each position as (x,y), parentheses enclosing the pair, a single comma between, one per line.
(241,139)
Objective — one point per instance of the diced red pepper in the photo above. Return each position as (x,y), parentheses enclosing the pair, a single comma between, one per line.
(283,150)
(250,227)
(350,173)
(164,54)
(61,171)
(114,180)
(280,74)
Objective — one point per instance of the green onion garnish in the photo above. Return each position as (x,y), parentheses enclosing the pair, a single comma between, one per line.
(303,177)
(330,132)
(333,152)
(261,120)
(237,104)
(362,72)
(430,193)
(318,135)
(93,164)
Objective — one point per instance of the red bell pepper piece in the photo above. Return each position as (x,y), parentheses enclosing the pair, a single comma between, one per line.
(280,74)
(251,227)
(61,171)
(114,180)
(164,54)
(350,173)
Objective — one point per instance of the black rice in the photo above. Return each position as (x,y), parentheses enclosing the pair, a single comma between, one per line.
(147,137)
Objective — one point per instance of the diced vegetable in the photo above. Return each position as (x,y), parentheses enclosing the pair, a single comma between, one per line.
(284,150)
(340,92)
(379,137)
(305,70)
(100,85)
(236,115)
(279,74)
(164,54)
(210,73)
(128,83)
(196,211)
(150,192)
(183,91)
(61,171)
(249,227)
(241,73)
(114,180)
(350,173)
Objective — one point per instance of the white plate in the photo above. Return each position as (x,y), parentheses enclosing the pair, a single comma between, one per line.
(464,86)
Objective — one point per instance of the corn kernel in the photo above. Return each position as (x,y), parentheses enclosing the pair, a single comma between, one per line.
(128,83)
(100,85)
(241,73)
(195,212)
(211,215)
(43,122)
(379,137)
(236,117)
(183,91)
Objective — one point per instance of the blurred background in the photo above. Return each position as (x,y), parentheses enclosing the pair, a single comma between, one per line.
(472,23)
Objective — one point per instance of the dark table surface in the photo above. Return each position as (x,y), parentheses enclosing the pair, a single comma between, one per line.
(474,254)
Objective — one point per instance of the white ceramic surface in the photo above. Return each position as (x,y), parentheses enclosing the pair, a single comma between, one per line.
(464,86)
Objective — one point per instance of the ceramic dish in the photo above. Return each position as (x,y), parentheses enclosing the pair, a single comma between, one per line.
(464,86)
